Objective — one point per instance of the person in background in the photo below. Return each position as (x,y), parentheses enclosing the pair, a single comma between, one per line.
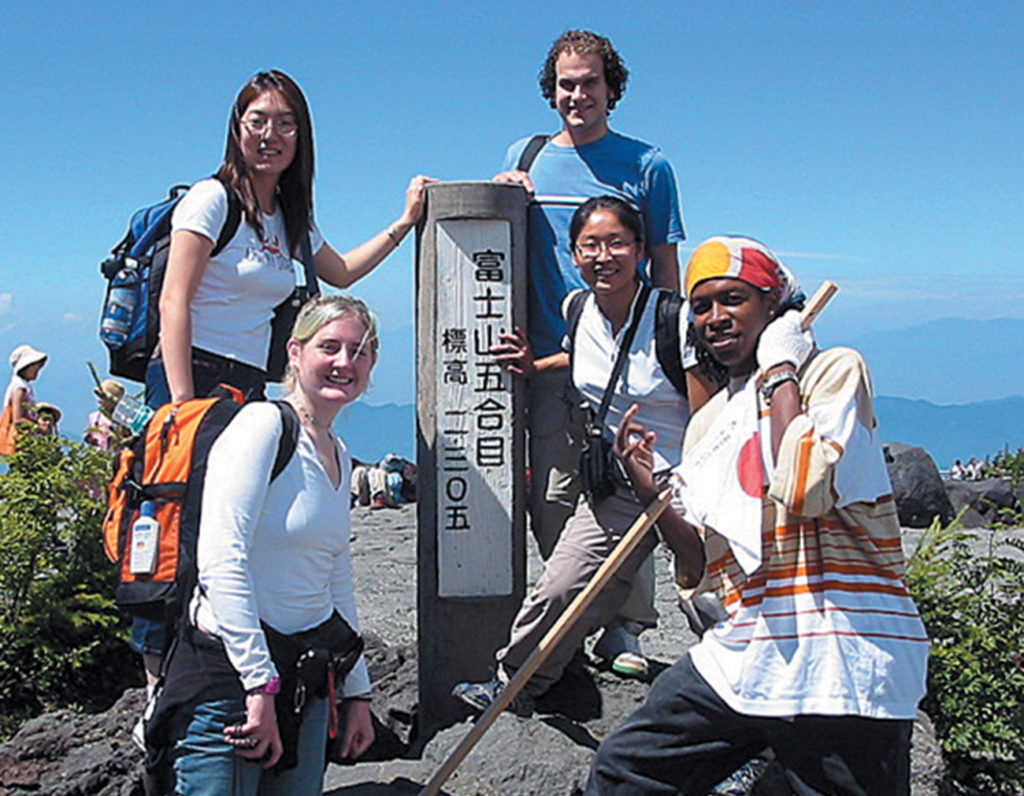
(583,79)
(19,400)
(274,555)
(784,510)
(99,427)
(47,418)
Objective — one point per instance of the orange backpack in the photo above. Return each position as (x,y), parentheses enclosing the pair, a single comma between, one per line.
(8,431)
(166,464)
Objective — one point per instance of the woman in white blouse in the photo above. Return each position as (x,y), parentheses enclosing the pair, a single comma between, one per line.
(277,553)
(215,308)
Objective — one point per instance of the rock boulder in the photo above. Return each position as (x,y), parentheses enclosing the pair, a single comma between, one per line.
(982,500)
(916,485)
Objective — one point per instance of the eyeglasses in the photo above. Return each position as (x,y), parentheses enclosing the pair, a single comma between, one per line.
(589,249)
(258,125)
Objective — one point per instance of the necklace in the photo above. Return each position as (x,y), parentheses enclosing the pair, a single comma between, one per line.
(308,417)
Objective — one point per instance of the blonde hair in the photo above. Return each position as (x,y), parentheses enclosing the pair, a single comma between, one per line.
(320,311)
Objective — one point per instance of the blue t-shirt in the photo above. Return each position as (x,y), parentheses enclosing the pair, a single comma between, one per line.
(564,178)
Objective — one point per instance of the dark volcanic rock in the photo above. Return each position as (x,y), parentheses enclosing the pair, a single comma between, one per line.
(916,485)
(981,499)
(75,754)
(547,755)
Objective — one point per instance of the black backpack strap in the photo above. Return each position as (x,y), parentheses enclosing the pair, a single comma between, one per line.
(667,344)
(530,152)
(308,266)
(231,223)
(623,355)
(572,319)
(289,438)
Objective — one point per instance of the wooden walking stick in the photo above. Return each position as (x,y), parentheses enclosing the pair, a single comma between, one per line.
(640,527)
(822,296)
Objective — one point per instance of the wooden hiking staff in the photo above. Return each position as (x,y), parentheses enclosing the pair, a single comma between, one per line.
(643,523)
(822,296)
(640,527)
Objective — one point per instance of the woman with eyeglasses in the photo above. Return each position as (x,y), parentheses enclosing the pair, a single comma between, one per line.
(216,308)
(607,238)
(217,303)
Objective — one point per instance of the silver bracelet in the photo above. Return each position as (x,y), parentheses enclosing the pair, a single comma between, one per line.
(773,382)
(395,237)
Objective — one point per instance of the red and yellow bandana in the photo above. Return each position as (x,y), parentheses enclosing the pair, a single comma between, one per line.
(737,258)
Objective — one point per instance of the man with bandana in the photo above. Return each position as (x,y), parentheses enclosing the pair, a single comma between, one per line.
(784,510)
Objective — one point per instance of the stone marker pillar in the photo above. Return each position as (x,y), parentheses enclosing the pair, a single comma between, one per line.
(471,489)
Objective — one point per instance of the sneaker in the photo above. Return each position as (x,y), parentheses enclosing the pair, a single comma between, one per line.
(621,649)
(741,782)
(379,501)
(481,696)
(139,734)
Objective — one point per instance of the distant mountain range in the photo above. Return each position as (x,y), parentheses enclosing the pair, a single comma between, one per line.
(370,432)
(948,433)
(960,383)
(956,432)
(948,361)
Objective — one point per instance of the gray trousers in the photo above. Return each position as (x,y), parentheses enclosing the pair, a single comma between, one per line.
(589,536)
(556,434)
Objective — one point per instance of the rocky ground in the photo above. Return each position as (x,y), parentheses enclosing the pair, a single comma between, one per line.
(69,754)
(547,754)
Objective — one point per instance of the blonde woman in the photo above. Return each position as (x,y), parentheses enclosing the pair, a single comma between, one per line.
(275,554)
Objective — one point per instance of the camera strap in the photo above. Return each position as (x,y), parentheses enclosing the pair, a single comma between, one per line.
(620,359)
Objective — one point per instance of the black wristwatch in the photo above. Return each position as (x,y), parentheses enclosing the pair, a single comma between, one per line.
(773,382)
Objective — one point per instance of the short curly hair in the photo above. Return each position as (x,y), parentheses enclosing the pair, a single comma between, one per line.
(584,42)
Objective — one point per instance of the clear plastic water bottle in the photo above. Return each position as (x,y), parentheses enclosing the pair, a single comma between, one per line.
(145,541)
(132,413)
(117,314)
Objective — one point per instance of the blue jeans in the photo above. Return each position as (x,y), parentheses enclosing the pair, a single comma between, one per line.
(206,765)
(148,636)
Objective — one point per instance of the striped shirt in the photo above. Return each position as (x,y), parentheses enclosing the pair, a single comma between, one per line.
(825,625)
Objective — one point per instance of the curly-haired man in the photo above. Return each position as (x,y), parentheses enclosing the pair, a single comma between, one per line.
(583,78)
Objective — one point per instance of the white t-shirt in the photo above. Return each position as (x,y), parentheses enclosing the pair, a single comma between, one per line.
(279,553)
(662,408)
(235,300)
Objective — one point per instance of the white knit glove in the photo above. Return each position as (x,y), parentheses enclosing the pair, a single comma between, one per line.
(784,341)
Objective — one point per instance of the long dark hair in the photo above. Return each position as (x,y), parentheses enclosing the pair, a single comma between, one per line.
(295,187)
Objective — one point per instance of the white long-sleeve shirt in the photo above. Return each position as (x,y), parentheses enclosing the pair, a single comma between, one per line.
(277,552)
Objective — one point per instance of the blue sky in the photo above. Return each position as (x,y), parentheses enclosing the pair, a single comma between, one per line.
(874,143)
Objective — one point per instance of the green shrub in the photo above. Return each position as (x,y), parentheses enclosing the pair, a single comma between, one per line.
(62,640)
(1007,465)
(972,603)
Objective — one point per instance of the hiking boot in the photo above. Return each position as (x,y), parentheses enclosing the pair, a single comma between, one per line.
(481,696)
(621,649)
